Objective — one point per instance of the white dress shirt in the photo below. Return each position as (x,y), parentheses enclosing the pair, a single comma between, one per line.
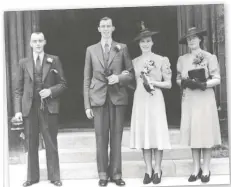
(103,42)
(35,56)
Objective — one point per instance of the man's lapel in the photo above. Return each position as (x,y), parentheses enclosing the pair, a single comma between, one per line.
(46,66)
(30,67)
(112,52)
(99,53)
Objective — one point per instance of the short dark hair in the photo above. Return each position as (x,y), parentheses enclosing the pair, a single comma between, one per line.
(105,19)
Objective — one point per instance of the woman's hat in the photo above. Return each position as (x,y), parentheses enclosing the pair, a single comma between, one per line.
(144,32)
(192,31)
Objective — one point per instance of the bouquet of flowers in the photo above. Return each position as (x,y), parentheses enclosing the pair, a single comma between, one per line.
(144,75)
(198,59)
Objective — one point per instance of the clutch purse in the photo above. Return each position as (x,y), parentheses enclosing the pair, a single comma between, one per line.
(197,74)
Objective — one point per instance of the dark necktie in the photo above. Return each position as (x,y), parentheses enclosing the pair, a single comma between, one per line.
(38,64)
(106,54)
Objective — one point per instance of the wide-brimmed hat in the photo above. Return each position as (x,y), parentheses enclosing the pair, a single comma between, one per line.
(144,32)
(192,31)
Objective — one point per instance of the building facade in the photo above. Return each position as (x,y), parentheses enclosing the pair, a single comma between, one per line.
(69,32)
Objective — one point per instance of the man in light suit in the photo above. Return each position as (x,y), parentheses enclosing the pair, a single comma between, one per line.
(108,71)
(39,83)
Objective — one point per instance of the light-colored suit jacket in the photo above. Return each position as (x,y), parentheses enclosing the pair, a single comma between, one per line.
(95,88)
(52,77)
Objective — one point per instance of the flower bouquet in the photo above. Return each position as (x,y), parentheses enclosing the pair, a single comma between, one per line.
(145,76)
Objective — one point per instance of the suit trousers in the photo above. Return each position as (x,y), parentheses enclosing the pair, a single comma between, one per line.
(41,121)
(108,123)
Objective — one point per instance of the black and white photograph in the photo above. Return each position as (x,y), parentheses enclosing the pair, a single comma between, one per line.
(117,96)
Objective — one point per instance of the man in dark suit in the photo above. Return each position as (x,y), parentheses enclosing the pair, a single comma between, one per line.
(107,72)
(39,83)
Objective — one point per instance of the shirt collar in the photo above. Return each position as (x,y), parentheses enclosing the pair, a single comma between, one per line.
(41,56)
(103,41)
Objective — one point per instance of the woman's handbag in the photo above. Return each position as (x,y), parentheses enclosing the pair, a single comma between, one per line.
(197,74)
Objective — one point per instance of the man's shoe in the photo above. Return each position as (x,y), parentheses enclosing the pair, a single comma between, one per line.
(118,182)
(57,183)
(29,183)
(103,182)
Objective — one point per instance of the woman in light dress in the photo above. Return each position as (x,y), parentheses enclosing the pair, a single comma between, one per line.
(149,127)
(200,127)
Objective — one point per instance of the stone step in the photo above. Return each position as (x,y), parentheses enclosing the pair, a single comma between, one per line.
(85,155)
(130,169)
(82,139)
(131,182)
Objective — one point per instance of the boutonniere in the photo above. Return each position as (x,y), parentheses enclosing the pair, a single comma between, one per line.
(198,59)
(117,48)
(54,70)
(50,60)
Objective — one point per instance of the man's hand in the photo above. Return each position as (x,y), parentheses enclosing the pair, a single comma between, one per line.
(18,116)
(89,113)
(125,72)
(113,79)
(45,93)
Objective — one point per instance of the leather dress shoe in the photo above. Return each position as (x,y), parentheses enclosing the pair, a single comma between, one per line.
(29,183)
(156,179)
(118,182)
(193,178)
(103,182)
(147,178)
(57,183)
(205,178)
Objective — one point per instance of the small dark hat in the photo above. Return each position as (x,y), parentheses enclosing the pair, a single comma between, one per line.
(192,31)
(144,32)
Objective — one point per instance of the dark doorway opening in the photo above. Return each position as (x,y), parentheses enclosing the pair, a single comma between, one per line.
(70,32)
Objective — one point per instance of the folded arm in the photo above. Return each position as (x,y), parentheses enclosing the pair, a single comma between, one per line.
(166,74)
(58,89)
(126,78)
(214,72)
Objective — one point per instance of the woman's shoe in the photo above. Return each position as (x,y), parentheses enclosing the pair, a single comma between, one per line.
(156,179)
(147,178)
(205,178)
(193,178)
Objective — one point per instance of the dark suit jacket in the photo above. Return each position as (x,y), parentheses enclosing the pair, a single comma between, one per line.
(95,90)
(52,77)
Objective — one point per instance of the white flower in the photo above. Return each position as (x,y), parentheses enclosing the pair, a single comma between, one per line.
(118,47)
(54,70)
(49,60)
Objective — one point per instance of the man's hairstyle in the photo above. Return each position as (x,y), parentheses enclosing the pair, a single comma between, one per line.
(38,32)
(105,19)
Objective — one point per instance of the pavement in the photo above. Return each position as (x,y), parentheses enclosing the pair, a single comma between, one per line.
(130,182)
